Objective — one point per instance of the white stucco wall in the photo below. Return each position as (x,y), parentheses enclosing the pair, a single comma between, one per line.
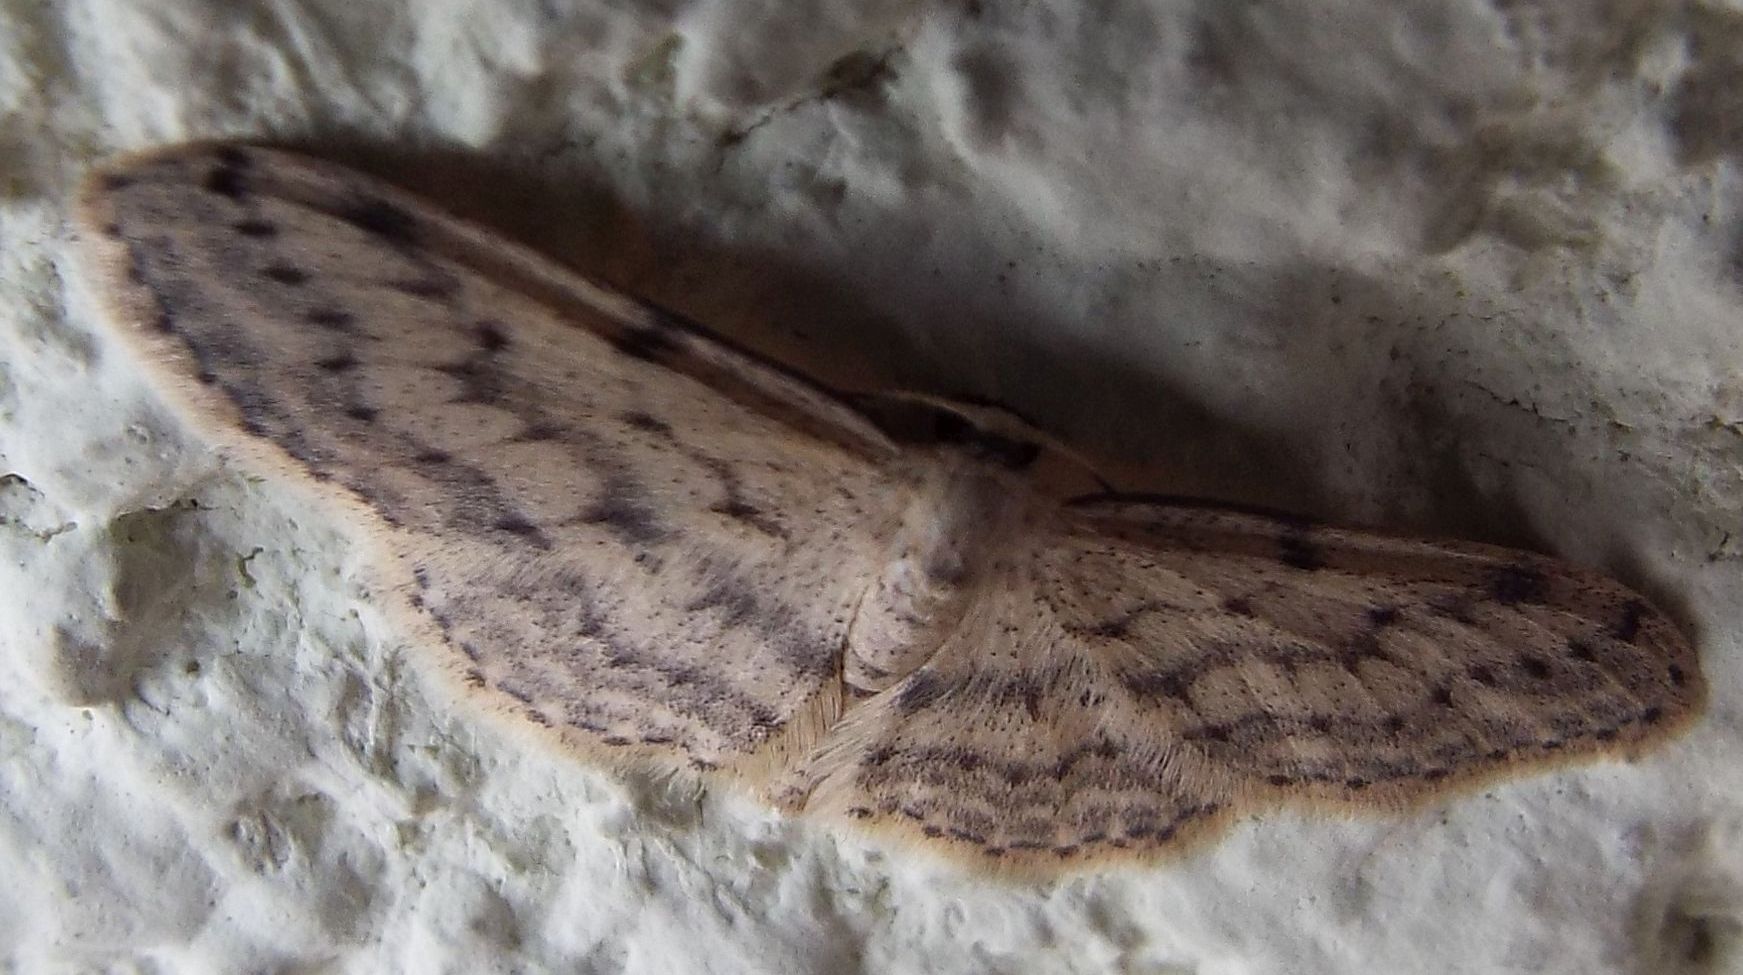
(1449,267)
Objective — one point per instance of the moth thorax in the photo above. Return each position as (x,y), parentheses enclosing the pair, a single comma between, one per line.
(941,551)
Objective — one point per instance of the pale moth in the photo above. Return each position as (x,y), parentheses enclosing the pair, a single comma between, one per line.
(880,608)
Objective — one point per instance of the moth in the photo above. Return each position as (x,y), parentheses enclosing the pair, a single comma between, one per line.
(886,609)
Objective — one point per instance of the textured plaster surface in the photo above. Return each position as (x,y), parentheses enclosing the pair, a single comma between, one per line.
(1460,268)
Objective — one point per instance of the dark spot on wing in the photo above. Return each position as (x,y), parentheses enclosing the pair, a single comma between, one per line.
(963,759)
(1120,627)
(481,381)
(1627,626)
(358,411)
(388,221)
(1534,667)
(226,181)
(644,342)
(646,422)
(1238,606)
(1176,683)
(623,510)
(433,286)
(233,156)
(116,181)
(285,274)
(1580,649)
(1219,733)
(920,691)
(517,524)
(1511,585)
(255,228)
(1382,615)
(539,430)
(1030,693)
(1677,677)
(1483,674)
(749,514)
(333,318)
(735,599)
(337,363)
(491,337)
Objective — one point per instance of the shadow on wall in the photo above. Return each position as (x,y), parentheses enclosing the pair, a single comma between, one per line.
(1381,354)
(842,330)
